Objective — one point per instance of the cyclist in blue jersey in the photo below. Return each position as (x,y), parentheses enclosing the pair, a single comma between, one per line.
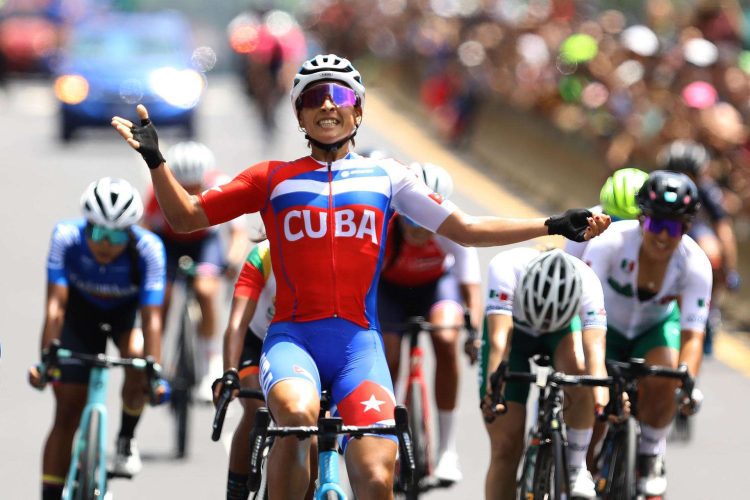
(101,270)
(326,216)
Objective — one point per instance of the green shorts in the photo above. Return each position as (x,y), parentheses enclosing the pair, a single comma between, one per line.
(523,347)
(666,333)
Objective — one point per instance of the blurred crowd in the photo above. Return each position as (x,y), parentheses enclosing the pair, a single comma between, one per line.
(629,76)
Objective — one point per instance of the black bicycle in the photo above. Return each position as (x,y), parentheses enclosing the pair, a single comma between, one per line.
(616,461)
(544,469)
(182,367)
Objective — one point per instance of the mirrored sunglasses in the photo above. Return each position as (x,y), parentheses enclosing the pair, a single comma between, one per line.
(675,228)
(314,97)
(99,233)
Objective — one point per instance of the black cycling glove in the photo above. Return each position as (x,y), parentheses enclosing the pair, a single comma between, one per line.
(146,136)
(572,224)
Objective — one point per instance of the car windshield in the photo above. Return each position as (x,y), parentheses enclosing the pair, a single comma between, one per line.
(120,45)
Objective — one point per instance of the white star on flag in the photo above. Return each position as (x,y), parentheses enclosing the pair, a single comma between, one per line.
(372,404)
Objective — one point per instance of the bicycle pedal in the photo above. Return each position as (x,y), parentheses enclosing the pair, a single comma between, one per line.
(118,475)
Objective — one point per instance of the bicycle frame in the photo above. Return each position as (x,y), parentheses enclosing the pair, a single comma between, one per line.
(328,460)
(96,402)
(416,380)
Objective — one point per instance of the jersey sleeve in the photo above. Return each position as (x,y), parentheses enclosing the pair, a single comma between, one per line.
(153,257)
(593,314)
(415,200)
(64,236)
(696,295)
(255,273)
(466,265)
(501,286)
(246,193)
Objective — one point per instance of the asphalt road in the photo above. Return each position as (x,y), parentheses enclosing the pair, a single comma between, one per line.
(42,181)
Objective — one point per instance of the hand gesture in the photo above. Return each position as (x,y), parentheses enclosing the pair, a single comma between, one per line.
(142,138)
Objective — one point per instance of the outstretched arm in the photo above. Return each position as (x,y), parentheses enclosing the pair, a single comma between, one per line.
(182,210)
(492,231)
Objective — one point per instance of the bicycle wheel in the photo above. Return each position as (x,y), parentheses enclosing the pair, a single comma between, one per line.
(419,436)
(88,487)
(622,476)
(550,473)
(184,380)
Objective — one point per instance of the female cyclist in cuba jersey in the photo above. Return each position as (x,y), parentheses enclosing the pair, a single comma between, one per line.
(101,270)
(657,287)
(193,165)
(431,276)
(326,216)
(542,303)
(616,199)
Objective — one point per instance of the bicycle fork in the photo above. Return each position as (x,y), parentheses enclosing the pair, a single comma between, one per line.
(96,402)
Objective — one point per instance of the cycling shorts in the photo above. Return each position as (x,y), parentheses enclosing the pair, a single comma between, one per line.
(666,333)
(336,355)
(523,346)
(207,253)
(250,357)
(396,303)
(86,329)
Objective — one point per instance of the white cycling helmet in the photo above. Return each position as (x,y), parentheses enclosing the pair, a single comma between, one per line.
(189,162)
(328,67)
(111,202)
(550,291)
(436,177)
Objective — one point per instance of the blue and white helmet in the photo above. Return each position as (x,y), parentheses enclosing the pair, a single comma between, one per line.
(112,203)
(327,67)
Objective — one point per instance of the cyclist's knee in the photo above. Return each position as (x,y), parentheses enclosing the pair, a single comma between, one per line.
(506,434)
(294,402)
(206,288)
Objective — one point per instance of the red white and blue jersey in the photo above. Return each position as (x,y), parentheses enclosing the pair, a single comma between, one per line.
(327,228)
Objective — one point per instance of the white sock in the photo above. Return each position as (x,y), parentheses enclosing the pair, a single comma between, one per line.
(446,439)
(578,445)
(653,441)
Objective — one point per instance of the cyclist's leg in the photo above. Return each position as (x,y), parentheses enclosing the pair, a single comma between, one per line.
(291,384)
(507,431)
(130,344)
(579,406)
(656,401)
(70,399)
(446,311)
(392,304)
(362,394)
(239,455)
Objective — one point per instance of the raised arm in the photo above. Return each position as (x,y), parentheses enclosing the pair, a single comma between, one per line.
(183,211)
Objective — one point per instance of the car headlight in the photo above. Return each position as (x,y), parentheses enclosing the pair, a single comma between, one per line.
(71,89)
(180,88)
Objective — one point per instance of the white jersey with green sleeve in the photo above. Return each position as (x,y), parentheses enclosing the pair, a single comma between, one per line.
(614,258)
(506,271)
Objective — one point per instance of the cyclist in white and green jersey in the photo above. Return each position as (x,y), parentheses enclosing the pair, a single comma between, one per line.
(542,303)
(646,268)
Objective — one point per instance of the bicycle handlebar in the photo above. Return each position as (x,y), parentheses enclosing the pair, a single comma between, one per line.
(262,429)
(221,407)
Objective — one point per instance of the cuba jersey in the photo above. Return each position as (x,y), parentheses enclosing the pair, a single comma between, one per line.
(257,282)
(506,272)
(417,265)
(70,263)
(327,225)
(614,258)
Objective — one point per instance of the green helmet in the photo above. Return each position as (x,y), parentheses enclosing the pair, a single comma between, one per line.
(618,193)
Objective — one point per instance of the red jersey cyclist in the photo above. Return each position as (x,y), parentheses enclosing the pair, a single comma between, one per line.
(192,164)
(101,270)
(326,216)
(431,276)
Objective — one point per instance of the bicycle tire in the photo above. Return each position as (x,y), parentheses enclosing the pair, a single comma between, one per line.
(419,436)
(184,380)
(550,473)
(527,470)
(87,482)
(623,481)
